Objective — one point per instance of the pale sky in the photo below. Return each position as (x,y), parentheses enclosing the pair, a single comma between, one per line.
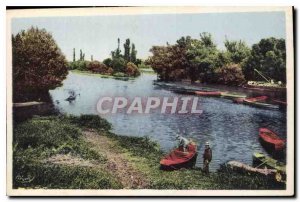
(97,35)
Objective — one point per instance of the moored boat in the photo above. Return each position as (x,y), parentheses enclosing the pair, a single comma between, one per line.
(261,161)
(208,93)
(270,140)
(178,159)
(232,95)
(261,104)
(184,91)
(257,99)
(241,167)
(280,102)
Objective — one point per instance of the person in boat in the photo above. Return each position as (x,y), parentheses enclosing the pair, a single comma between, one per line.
(207,157)
(182,143)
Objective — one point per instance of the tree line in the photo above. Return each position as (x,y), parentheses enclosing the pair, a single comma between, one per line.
(118,64)
(201,60)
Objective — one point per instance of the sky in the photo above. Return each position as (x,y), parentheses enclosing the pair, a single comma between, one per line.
(97,35)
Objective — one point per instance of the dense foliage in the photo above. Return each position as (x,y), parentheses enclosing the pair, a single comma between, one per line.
(118,65)
(38,63)
(201,60)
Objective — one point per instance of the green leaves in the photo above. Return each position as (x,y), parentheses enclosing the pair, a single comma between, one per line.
(38,63)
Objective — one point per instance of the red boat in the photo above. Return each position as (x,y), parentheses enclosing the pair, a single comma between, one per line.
(208,93)
(178,159)
(256,99)
(239,100)
(270,140)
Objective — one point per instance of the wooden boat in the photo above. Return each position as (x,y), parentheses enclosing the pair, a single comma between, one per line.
(257,99)
(232,95)
(238,100)
(248,100)
(279,102)
(27,104)
(241,167)
(208,93)
(184,91)
(264,88)
(261,104)
(271,140)
(260,161)
(178,159)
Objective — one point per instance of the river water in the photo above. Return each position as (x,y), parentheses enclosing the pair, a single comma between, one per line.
(231,129)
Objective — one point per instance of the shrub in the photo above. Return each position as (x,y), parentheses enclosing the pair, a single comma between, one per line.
(118,64)
(230,74)
(38,63)
(97,67)
(132,70)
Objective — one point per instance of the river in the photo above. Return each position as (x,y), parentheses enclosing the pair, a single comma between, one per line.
(231,129)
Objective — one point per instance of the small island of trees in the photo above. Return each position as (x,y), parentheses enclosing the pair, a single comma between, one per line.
(118,65)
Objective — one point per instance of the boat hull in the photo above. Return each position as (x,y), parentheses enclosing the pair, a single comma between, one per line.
(178,159)
(204,93)
(270,140)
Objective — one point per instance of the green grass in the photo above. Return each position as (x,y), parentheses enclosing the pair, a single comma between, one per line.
(42,137)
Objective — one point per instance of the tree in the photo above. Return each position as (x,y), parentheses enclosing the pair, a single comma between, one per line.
(92,58)
(127,50)
(81,56)
(38,63)
(133,54)
(74,57)
(170,62)
(237,51)
(202,54)
(118,64)
(108,62)
(230,74)
(269,57)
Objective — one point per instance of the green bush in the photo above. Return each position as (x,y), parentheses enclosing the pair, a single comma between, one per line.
(89,121)
(79,65)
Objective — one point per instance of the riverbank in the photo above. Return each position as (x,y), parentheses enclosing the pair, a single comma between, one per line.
(82,153)
(102,75)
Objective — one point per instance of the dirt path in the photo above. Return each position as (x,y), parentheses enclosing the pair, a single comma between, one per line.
(117,163)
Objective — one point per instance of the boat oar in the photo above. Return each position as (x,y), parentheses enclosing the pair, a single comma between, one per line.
(261,164)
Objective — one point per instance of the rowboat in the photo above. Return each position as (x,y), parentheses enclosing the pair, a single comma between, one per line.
(257,99)
(279,102)
(232,95)
(178,159)
(184,91)
(260,161)
(261,104)
(270,140)
(238,100)
(242,168)
(208,93)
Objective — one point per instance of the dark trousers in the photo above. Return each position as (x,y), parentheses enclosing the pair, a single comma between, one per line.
(206,166)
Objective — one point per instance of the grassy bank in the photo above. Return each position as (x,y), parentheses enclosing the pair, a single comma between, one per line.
(41,139)
(102,75)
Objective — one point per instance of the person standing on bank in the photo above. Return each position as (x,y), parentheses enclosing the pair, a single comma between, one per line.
(207,156)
